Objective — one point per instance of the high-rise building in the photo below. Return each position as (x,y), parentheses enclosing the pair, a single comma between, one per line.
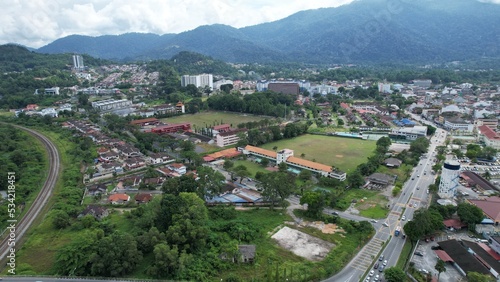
(201,80)
(78,62)
(449,179)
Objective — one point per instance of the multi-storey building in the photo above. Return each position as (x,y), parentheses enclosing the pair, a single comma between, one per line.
(229,138)
(78,62)
(201,80)
(449,179)
(111,104)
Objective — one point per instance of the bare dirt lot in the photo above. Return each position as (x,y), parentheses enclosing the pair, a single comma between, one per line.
(302,244)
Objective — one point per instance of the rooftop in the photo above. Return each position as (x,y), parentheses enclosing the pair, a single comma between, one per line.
(306,163)
(490,206)
(261,151)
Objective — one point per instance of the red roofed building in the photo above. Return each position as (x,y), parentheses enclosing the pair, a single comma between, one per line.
(172,128)
(143,198)
(146,121)
(490,207)
(222,128)
(489,137)
(32,107)
(118,199)
(454,223)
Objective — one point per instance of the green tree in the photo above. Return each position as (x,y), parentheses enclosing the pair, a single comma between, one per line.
(60,219)
(186,219)
(264,162)
(316,201)
(394,274)
(440,267)
(228,164)
(419,146)
(242,172)
(276,187)
(479,277)
(469,214)
(166,261)
(210,182)
(355,179)
(72,259)
(283,167)
(115,255)
(305,174)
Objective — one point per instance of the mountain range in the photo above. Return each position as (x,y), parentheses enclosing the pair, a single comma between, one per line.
(364,31)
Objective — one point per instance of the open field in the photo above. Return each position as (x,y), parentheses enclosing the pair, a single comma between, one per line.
(343,153)
(213,118)
(252,167)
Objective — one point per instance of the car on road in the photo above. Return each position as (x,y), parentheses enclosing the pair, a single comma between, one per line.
(381,268)
(415,205)
(403,218)
(375,266)
(418,188)
(384,263)
(386,225)
(373,220)
(376,277)
(371,273)
(381,258)
(335,213)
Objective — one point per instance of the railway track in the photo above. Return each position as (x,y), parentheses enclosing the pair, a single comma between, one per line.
(23,224)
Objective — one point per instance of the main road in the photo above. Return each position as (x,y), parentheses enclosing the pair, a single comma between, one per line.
(413,196)
(23,224)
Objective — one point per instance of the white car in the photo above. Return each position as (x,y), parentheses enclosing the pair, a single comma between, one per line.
(371,273)
(374,221)
(376,277)
(384,263)
(403,218)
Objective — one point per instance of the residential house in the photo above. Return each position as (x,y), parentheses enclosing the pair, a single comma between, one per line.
(178,168)
(246,253)
(392,162)
(119,198)
(134,163)
(142,198)
(96,189)
(96,211)
(158,158)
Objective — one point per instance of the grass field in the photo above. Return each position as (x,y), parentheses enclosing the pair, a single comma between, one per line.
(343,153)
(252,167)
(213,118)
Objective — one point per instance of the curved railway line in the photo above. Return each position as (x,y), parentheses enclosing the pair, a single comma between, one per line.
(23,224)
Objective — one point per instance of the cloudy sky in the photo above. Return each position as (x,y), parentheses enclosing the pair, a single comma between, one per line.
(35,23)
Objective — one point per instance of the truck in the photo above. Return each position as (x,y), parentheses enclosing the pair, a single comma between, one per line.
(398,230)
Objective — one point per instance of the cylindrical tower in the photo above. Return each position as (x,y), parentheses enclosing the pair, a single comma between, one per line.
(449,179)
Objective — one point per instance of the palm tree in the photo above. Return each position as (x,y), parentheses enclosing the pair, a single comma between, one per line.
(440,267)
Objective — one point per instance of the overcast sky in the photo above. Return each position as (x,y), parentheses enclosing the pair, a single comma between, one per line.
(35,23)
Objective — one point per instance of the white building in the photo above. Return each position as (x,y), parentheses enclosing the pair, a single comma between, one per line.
(489,137)
(201,80)
(458,124)
(286,156)
(229,138)
(111,104)
(52,91)
(78,62)
(409,133)
(384,88)
(219,83)
(449,179)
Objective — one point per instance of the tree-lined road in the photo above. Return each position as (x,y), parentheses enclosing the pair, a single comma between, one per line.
(24,223)
(413,197)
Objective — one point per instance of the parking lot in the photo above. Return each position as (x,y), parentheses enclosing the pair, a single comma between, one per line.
(428,260)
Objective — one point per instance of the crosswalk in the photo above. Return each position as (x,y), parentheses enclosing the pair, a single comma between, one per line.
(367,255)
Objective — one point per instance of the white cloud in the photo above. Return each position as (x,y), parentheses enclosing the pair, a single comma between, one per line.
(35,23)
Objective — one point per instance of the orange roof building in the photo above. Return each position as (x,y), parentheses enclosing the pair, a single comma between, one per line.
(286,156)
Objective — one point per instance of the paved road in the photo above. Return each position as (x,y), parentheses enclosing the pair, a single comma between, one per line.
(413,197)
(23,224)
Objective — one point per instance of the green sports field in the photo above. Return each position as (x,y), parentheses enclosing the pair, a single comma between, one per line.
(213,118)
(343,153)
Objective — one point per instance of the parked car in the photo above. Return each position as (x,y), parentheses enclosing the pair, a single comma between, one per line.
(381,258)
(371,273)
(384,263)
(419,254)
(381,268)
(375,266)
